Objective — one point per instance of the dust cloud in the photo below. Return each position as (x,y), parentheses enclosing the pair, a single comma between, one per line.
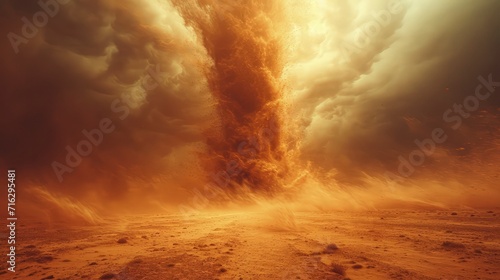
(132,106)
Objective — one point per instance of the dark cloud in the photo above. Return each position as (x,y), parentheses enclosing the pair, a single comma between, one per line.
(138,66)
(363,111)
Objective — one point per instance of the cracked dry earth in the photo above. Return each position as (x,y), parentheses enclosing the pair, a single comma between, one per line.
(452,245)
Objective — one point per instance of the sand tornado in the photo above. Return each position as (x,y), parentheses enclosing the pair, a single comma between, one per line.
(244,41)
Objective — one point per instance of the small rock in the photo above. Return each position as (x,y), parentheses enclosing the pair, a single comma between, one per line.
(330,248)
(222,270)
(122,240)
(136,261)
(93,263)
(454,213)
(44,259)
(454,245)
(357,266)
(339,269)
(107,276)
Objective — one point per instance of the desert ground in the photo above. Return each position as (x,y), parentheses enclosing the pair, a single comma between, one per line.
(271,244)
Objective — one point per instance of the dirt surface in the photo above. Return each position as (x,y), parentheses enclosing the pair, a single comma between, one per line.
(275,244)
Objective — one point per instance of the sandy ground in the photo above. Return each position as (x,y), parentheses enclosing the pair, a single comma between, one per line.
(273,244)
